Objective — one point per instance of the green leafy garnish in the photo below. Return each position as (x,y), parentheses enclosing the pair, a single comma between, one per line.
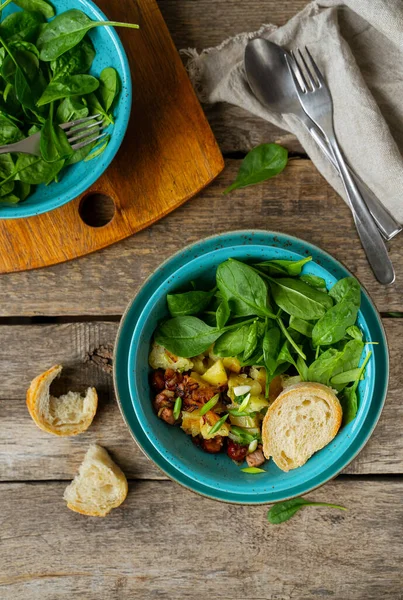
(261,163)
(283,511)
(218,425)
(209,405)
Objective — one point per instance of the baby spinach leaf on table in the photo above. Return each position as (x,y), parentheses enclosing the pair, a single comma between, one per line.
(21,26)
(283,511)
(243,288)
(301,326)
(37,6)
(109,87)
(314,281)
(76,61)
(189,303)
(251,341)
(34,170)
(347,289)
(71,109)
(349,399)
(290,267)
(299,299)
(354,332)
(261,163)
(223,313)
(232,343)
(67,30)
(71,85)
(54,143)
(186,336)
(332,327)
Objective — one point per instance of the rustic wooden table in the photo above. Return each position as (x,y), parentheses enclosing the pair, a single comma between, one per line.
(166,542)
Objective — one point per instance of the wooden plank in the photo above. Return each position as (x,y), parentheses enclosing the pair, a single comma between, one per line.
(206,23)
(27,453)
(298,202)
(165,542)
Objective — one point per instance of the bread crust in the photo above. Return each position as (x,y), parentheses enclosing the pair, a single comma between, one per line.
(40,386)
(310,388)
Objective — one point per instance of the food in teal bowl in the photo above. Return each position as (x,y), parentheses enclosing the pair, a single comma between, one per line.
(57,70)
(233,398)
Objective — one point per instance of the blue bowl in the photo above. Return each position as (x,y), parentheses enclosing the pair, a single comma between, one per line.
(78,178)
(216,476)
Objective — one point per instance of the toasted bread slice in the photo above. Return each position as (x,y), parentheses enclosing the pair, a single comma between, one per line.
(99,486)
(304,418)
(68,415)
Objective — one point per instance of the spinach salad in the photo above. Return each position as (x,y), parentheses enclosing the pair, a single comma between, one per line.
(226,353)
(44,82)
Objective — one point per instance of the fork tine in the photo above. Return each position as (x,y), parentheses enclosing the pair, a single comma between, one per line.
(299,72)
(79,121)
(319,76)
(89,141)
(312,81)
(85,135)
(73,133)
(295,73)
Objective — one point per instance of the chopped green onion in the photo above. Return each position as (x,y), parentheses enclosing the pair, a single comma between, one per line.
(244,435)
(218,425)
(253,470)
(252,446)
(237,413)
(244,403)
(209,405)
(177,408)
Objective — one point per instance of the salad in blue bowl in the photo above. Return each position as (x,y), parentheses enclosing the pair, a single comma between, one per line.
(58,64)
(251,367)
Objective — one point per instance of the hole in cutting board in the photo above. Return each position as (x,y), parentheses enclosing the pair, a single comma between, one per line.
(97,210)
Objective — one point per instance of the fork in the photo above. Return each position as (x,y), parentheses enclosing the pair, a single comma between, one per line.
(88,133)
(315,98)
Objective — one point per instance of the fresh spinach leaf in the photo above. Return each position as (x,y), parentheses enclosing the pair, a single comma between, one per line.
(232,342)
(109,87)
(347,289)
(76,61)
(332,327)
(223,313)
(186,336)
(70,85)
(67,30)
(283,511)
(251,341)
(244,289)
(299,299)
(271,341)
(349,399)
(261,163)
(354,332)
(54,143)
(332,362)
(71,109)
(98,150)
(9,131)
(97,108)
(301,326)
(34,170)
(188,303)
(314,281)
(37,6)
(345,377)
(21,26)
(289,267)
(302,369)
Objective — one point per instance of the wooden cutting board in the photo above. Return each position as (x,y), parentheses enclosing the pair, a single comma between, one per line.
(168,155)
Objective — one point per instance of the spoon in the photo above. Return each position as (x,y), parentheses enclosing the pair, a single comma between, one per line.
(270,80)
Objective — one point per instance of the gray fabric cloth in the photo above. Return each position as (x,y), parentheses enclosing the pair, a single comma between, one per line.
(358,45)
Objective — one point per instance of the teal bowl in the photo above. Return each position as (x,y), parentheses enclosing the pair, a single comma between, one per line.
(76,179)
(216,476)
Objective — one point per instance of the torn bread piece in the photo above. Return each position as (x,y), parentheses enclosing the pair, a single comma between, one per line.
(304,418)
(69,414)
(99,486)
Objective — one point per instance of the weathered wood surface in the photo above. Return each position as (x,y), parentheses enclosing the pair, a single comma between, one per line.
(165,542)
(29,454)
(298,202)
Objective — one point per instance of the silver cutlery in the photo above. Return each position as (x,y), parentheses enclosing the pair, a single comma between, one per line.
(271,82)
(316,100)
(79,133)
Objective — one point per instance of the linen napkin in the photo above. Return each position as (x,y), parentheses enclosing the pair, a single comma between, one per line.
(358,45)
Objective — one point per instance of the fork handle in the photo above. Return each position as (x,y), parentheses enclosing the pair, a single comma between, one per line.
(387,224)
(371,240)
